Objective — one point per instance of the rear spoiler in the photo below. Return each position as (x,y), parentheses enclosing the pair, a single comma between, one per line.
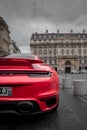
(32,61)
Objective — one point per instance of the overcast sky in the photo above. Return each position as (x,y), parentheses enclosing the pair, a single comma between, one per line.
(27,16)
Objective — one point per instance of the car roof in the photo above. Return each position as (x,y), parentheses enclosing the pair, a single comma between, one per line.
(21,55)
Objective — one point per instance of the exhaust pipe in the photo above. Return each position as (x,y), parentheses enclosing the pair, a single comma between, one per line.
(24,107)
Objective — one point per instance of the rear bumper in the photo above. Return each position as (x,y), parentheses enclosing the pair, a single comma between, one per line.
(12,107)
(19,107)
(41,94)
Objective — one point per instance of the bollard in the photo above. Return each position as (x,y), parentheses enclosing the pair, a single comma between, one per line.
(66,83)
(60,81)
(80,87)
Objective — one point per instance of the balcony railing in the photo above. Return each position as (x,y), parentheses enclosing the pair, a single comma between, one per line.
(68,56)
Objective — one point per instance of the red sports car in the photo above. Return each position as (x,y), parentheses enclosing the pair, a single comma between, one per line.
(27,85)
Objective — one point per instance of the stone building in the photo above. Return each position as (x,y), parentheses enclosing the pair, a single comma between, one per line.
(7,46)
(4,37)
(14,48)
(63,51)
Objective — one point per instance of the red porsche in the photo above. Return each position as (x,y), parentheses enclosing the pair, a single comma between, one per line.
(27,85)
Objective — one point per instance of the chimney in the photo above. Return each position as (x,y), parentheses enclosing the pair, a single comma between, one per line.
(71,31)
(46,30)
(84,31)
(58,31)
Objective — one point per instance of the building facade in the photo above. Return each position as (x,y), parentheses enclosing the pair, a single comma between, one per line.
(7,46)
(4,37)
(63,51)
(14,48)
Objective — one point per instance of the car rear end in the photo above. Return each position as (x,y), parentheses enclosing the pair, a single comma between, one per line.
(27,86)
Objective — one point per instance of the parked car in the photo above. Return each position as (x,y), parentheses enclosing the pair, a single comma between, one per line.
(27,85)
(83,71)
(74,72)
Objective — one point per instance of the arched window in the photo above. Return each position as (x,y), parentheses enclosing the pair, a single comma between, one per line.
(72,51)
(40,52)
(84,61)
(67,52)
(50,51)
(35,51)
(50,61)
(84,51)
(44,37)
(80,61)
(79,51)
(45,61)
(45,51)
(55,61)
(68,63)
(39,37)
(62,51)
(54,51)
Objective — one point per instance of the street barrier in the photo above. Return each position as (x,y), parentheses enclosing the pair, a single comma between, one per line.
(66,83)
(80,87)
(60,80)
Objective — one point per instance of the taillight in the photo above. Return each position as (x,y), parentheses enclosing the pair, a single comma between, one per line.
(40,74)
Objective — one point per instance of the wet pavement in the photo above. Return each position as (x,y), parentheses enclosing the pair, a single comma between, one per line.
(70,115)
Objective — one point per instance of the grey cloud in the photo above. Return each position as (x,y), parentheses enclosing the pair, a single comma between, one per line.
(63,12)
(81,22)
(56,11)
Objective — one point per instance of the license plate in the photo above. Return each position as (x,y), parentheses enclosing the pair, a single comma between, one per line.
(5,91)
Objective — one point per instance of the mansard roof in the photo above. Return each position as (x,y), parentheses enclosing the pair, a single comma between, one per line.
(2,22)
(55,36)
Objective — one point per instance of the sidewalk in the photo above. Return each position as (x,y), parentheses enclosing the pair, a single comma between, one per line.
(82,98)
(73,77)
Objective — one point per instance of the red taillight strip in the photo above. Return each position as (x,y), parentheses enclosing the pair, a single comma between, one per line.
(30,73)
